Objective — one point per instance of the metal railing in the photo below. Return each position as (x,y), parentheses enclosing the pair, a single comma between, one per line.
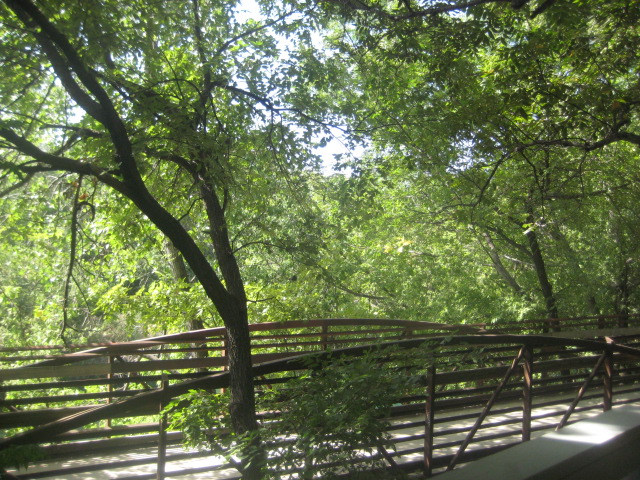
(467,372)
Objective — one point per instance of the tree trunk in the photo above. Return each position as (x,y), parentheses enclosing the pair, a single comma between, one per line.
(623,290)
(242,408)
(622,285)
(541,272)
(592,304)
(492,251)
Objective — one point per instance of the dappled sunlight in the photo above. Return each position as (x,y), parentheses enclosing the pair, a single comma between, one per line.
(147,459)
(588,432)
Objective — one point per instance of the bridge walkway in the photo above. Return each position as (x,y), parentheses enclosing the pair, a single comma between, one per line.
(549,375)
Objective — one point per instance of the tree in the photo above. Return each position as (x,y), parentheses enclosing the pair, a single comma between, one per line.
(520,116)
(172,107)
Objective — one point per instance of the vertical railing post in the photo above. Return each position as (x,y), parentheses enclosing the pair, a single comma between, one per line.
(225,355)
(428,421)
(162,431)
(607,380)
(527,375)
(110,386)
(225,351)
(324,337)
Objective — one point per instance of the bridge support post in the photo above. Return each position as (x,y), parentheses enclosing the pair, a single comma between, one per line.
(527,375)
(162,432)
(607,380)
(428,421)
(110,387)
(324,337)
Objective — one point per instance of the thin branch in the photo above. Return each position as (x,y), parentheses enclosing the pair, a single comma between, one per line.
(492,174)
(207,84)
(543,6)
(518,246)
(60,163)
(264,244)
(314,264)
(340,286)
(81,131)
(18,185)
(174,158)
(77,135)
(268,104)
(579,196)
(250,32)
(613,137)
(72,259)
(436,10)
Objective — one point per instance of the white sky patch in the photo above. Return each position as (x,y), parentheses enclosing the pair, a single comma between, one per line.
(335,147)
(248,10)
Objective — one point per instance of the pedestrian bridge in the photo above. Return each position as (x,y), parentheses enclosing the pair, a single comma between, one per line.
(94,411)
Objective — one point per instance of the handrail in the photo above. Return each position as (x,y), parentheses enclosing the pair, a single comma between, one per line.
(221,380)
(218,334)
(219,331)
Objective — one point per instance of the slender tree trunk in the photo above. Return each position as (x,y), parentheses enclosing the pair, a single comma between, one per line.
(622,285)
(242,408)
(592,304)
(492,251)
(623,292)
(543,279)
(541,271)
(242,388)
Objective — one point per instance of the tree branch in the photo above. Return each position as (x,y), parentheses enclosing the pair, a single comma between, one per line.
(18,185)
(499,267)
(57,162)
(272,108)
(72,259)
(518,246)
(614,136)
(207,84)
(250,32)
(435,10)
(67,63)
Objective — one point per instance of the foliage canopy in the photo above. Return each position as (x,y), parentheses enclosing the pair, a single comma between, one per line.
(160,165)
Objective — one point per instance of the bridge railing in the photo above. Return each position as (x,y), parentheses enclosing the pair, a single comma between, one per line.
(42,384)
(459,383)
